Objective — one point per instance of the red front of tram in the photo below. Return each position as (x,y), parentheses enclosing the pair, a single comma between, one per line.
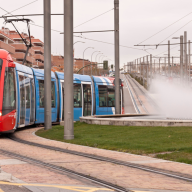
(7,93)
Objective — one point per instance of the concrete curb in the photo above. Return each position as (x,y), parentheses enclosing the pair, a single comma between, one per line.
(136,122)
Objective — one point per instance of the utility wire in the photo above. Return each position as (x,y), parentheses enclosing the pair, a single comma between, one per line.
(165,28)
(19,8)
(94,18)
(166,51)
(176,31)
(82,36)
(107,43)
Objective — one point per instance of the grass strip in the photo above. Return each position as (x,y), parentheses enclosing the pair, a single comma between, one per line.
(171,143)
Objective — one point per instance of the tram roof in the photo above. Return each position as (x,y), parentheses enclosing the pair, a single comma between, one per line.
(40,73)
(23,68)
(76,77)
(103,80)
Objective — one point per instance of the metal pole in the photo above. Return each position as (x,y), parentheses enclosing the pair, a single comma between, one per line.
(68,65)
(117,85)
(143,69)
(159,65)
(151,67)
(147,70)
(181,57)
(169,58)
(47,60)
(189,60)
(172,66)
(185,54)
(140,69)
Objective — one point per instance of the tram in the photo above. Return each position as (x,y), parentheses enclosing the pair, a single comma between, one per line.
(22,95)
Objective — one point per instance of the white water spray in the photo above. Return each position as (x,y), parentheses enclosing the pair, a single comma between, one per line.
(173,98)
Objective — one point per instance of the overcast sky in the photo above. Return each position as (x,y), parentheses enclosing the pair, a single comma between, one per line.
(139,19)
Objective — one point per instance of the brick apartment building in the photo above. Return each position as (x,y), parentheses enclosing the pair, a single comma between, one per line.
(13,43)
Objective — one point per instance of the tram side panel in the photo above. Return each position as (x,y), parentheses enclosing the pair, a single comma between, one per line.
(40,103)
(105,96)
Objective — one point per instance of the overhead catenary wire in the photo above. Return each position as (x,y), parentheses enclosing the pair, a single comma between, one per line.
(165,28)
(20,7)
(82,37)
(94,18)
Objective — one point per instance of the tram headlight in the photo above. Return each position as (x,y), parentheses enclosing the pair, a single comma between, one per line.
(0,113)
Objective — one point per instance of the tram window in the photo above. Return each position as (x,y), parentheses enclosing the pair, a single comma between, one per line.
(111,97)
(77,95)
(9,94)
(1,65)
(27,96)
(41,93)
(52,94)
(102,96)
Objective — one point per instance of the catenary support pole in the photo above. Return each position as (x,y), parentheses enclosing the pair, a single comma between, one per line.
(151,75)
(185,55)
(117,84)
(68,66)
(181,57)
(47,61)
(143,69)
(189,60)
(169,62)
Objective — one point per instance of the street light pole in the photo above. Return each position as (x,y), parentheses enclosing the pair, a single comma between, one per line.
(83,56)
(68,77)
(47,60)
(117,84)
(96,60)
(91,60)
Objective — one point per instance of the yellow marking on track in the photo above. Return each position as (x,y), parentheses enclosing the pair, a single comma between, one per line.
(1,190)
(72,188)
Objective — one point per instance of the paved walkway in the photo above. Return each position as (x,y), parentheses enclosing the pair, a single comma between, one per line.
(130,178)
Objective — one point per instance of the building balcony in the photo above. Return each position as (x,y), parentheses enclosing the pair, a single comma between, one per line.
(39,57)
(39,49)
(22,47)
(20,56)
(7,47)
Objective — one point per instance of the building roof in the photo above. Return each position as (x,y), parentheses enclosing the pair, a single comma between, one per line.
(7,36)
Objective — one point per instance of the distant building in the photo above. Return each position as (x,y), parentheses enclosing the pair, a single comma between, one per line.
(13,43)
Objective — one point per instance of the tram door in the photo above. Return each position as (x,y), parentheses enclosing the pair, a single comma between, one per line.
(87,100)
(32,114)
(62,85)
(22,99)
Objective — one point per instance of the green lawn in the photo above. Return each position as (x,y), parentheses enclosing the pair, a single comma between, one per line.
(137,140)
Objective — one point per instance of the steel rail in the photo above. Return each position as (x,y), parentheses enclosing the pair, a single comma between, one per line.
(141,103)
(63,170)
(159,171)
(151,100)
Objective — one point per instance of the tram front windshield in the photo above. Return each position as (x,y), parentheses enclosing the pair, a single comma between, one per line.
(9,93)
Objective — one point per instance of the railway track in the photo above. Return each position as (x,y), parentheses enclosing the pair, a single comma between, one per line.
(144,93)
(64,171)
(140,102)
(167,173)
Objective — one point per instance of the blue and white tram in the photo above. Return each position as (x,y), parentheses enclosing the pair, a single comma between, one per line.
(22,95)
